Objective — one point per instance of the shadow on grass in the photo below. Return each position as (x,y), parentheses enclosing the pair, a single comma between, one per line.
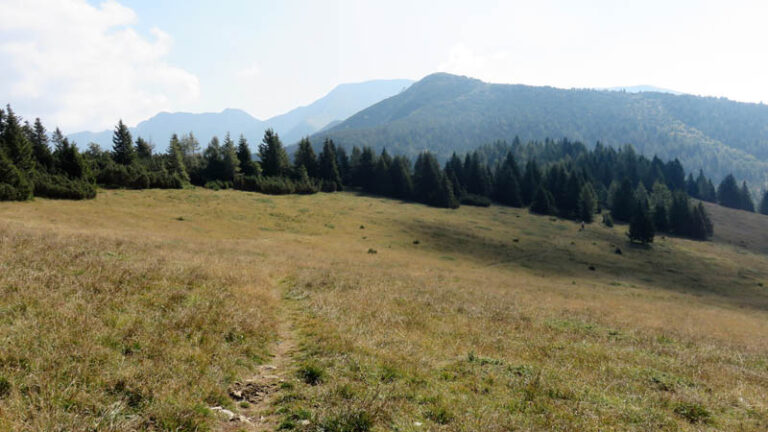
(555,248)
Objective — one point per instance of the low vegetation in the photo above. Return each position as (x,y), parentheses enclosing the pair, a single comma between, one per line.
(140,309)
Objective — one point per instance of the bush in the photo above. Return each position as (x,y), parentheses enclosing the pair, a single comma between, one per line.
(218,185)
(475,200)
(607,220)
(275,185)
(165,180)
(121,176)
(62,187)
(5,387)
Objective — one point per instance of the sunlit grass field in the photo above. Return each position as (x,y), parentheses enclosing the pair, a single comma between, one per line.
(140,310)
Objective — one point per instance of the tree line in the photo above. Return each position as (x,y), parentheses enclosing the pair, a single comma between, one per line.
(554,177)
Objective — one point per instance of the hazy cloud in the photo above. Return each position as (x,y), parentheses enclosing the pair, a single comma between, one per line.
(80,66)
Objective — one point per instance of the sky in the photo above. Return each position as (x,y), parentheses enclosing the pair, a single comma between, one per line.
(82,64)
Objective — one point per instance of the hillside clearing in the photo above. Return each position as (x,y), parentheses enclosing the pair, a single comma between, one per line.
(141,310)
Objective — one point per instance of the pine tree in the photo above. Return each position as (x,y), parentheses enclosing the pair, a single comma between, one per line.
(328,171)
(143,149)
(214,160)
(274,159)
(623,201)
(16,145)
(40,147)
(382,182)
(363,174)
(763,209)
(680,214)
(543,202)
(431,186)
(700,224)
(746,198)
(247,165)
(660,217)
(305,156)
(176,159)
(230,162)
(530,182)
(587,203)
(342,161)
(71,162)
(641,227)
(400,176)
(14,186)
(123,151)
(728,193)
(507,183)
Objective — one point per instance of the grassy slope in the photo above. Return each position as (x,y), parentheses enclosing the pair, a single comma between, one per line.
(493,321)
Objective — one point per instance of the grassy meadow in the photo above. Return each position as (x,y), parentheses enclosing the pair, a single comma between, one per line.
(142,310)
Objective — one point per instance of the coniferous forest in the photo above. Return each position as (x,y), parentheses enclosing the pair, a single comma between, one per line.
(555,177)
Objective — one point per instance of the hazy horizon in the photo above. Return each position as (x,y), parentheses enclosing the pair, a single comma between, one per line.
(83,64)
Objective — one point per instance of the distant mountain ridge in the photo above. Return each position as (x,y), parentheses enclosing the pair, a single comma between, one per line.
(444,113)
(340,103)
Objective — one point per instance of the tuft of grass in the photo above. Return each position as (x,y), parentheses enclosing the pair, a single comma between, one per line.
(311,373)
(352,421)
(5,387)
(693,412)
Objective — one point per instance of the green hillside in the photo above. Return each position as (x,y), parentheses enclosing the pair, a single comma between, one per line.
(446,113)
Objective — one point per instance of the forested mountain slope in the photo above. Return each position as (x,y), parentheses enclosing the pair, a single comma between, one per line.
(446,113)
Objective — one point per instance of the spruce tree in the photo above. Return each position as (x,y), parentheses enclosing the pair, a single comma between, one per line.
(507,183)
(763,209)
(660,217)
(123,151)
(400,176)
(530,182)
(328,171)
(454,169)
(746,198)
(728,193)
(543,202)
(230,162)
(274,159)
(305,156)
(382,182)
(247,165)
(71,162)
(587,203)
(623,201)
(214,160)
(16,145)
(431,186)
(680,214)
(14,186)
(175,159)
(363,173)
(641,227)
(342,161)
(143,149)
(40,147)
(700,224)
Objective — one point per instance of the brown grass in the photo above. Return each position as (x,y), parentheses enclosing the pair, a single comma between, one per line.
(493,321)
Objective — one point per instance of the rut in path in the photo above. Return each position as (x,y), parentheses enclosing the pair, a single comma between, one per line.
(254,397)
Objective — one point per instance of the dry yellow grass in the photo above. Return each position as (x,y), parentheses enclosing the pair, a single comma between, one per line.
(493,321)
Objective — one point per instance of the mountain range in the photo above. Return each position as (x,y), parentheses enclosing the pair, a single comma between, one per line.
(340,103)
(446,113)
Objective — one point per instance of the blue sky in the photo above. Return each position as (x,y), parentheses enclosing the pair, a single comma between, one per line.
(82,64)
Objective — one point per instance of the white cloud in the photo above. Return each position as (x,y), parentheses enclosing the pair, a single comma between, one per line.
(83,67)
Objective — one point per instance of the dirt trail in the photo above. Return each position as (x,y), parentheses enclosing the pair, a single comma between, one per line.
(254,397)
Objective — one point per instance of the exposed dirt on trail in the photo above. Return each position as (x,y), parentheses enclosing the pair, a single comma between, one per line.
(254,397)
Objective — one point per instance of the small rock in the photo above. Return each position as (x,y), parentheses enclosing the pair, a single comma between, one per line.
(362,226)
(242,419)
(417,424)
(269,367)
(304,422)
(223,412)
